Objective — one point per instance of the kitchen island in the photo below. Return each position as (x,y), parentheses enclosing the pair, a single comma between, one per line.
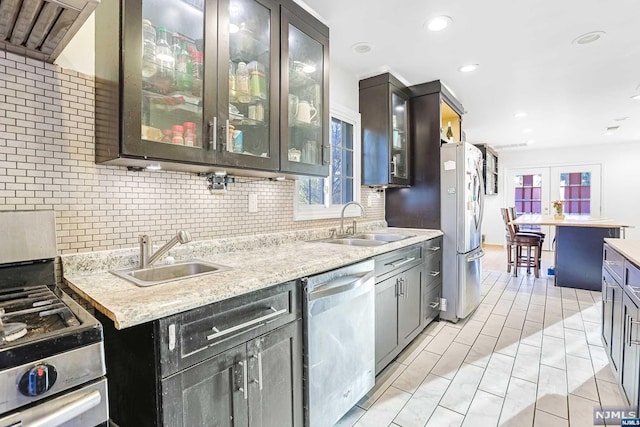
(579,242)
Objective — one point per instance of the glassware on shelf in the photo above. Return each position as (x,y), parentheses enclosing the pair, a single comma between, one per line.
(184,69)
(165,61)
(149,67)
(233,89)
(244,95)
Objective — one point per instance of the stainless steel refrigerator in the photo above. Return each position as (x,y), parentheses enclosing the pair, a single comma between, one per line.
(462,204)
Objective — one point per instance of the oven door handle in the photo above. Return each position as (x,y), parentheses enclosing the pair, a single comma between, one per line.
(64,411)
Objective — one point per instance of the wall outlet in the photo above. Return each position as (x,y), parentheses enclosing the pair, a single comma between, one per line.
(253,202)
(443,304)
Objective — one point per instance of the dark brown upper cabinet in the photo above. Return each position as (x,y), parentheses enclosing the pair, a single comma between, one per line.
(384,110)
(195,85)
(490,170)
(304,114)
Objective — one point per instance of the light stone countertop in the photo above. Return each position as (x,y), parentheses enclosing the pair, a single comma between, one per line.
(630,249)
(570,221)
(251,269)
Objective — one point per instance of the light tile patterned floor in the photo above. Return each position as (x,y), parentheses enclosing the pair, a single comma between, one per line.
(530,355)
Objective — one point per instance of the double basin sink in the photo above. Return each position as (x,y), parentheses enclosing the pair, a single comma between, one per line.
(156,275)
(367,239)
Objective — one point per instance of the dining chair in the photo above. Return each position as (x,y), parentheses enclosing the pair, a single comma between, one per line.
(523,248)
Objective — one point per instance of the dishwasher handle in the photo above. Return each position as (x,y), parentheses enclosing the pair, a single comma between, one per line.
(340,285)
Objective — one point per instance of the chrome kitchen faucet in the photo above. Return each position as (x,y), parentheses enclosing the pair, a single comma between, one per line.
(353,226)
(147,260)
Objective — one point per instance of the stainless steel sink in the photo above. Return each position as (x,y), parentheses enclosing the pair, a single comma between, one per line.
(383,237)
(165,273)
(367,239)
(354,242)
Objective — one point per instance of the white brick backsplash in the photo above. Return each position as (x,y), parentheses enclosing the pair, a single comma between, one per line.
(47,162)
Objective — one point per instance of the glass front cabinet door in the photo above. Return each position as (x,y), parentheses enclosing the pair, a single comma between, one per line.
(248,107)
(165,64)
(399,153)
(304,121)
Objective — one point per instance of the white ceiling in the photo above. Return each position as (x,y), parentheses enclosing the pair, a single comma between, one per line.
(571,93)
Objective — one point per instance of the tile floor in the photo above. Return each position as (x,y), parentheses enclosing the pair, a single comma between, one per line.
(530,355)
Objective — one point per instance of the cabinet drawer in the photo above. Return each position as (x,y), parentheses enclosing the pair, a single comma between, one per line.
(433,246)
(614,262)
(431,303)
(398,260)
(193,336)
(631,274)
(433,268)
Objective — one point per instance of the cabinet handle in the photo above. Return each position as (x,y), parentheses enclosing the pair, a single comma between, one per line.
(607,286)
(396,264)
(259,380)
(434,304)
(393,166)
(434,248)
(213,124)
(631,323)
(243,389)
(434,274)
(172,337)
(325,159)
(226,135)
(218,333)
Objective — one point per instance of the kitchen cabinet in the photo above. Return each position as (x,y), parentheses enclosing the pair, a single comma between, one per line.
(398,302)
(236,363)
(384,110)
(490,170)
(621,320)
(431,107)
(304,122)
(630,365)
(432,289)
(196,85)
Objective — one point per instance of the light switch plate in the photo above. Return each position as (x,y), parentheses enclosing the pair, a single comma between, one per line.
(253,202)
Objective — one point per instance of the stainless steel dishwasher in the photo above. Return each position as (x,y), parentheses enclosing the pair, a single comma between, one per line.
(339,351)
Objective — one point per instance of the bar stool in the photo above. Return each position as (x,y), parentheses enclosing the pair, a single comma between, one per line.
(523,249)
(516,228)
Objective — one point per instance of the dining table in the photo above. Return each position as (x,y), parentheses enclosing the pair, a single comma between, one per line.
(579,242)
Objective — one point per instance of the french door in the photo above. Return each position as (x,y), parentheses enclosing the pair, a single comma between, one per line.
(533,190)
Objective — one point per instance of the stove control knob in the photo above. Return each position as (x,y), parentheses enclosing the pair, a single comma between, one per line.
(37,380)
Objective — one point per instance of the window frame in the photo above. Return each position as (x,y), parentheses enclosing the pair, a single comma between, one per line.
(328,210)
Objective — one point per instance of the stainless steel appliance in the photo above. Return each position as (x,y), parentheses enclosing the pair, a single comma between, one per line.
(462,205)
(339,360)
(52,368)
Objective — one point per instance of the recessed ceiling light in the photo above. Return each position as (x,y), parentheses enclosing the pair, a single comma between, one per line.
(527,130)
(520,115)
(620,119)
(607,133)
(439,23)
(362,47)
(589,37)
(636,97)
(468,68)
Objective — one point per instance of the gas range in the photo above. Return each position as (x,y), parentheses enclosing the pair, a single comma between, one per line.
(52,364)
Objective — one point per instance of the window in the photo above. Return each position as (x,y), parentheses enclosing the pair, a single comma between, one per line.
(575,190)
(318,198)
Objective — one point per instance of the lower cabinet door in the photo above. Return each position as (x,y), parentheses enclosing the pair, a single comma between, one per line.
(608,287)
(386,303)
(630,376)
(211,393)
(275,378)
(409,303)
(617,326)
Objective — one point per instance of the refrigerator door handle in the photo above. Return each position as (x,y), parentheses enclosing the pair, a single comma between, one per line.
(481,195)
(475,257)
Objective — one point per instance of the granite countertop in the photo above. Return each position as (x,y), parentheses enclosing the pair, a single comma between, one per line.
(570,221)
(630,249)
(254,263)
